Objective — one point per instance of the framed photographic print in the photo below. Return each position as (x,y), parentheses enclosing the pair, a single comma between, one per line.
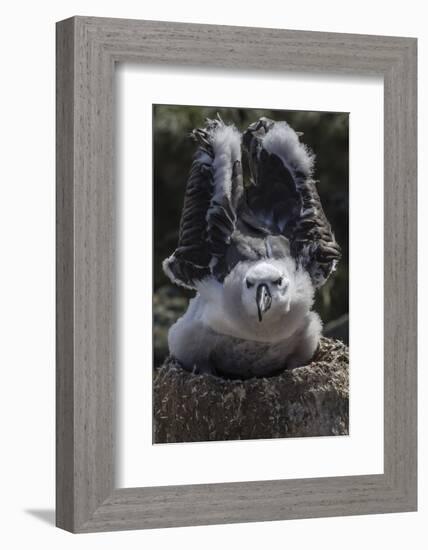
(236,274)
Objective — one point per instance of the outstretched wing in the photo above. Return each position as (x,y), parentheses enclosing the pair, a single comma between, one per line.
(212,193)
(283,198)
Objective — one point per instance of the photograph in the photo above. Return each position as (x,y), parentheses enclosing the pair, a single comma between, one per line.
(250,271)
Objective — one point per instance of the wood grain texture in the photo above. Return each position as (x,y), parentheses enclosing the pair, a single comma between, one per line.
(64,277)
(87,49)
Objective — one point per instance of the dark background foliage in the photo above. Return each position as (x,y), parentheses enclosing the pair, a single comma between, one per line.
(325,133)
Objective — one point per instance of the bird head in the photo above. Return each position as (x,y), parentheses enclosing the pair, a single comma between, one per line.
(263,300)
(266,290)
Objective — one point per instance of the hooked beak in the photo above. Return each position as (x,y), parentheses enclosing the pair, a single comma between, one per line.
(263,299)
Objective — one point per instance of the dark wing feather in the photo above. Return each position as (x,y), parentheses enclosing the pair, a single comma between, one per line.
(282,197)
(208,218)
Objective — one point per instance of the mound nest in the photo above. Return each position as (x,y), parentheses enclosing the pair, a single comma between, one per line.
(302,402)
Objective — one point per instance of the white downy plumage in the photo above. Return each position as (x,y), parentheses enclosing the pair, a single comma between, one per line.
(251,315)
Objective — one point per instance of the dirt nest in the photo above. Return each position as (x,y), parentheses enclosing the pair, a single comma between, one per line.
(304,402)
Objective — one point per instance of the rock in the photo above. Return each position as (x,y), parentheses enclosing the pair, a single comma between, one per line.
(303,402)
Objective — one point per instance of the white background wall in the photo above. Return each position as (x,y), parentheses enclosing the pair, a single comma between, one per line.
(27,272)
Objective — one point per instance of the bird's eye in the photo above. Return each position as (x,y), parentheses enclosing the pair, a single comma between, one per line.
(249,284)
(278,281)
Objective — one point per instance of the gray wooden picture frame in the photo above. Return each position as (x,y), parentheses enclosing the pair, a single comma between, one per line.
(87,51)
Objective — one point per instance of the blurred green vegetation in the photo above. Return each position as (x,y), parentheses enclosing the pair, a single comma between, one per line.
(324,132)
